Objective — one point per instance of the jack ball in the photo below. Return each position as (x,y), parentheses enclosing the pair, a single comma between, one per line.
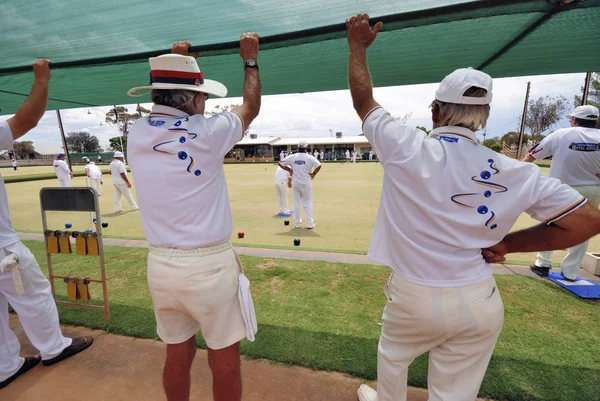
(286,222)
(241,234)
(297,241)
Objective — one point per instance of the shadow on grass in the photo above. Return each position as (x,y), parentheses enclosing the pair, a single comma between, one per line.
(506,378)
(299,232)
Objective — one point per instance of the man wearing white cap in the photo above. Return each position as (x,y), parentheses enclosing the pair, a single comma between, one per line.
(63,173)
(118,172)
(176,157)
(447,206)
(575,155)
(22,283)
(300,165)
(94,173)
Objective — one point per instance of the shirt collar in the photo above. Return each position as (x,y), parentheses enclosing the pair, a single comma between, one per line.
(170,111)
(454,130)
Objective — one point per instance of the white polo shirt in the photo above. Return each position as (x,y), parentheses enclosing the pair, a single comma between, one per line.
(445,197)
(281,175)
(302,164)
(94,171)
(62,170)
(116,168)
(177,163)
(7,234)
(575,155)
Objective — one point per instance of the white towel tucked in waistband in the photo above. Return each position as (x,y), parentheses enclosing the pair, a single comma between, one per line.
(11,261)
(247,307)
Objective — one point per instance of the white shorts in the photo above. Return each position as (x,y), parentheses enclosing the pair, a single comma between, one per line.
(196,290)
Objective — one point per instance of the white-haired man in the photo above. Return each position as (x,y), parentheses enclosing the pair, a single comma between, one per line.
(63,173)
(22,283)
(94,174)
(447,206)
(176,158)
(300,165)
(575,155)
(118,172)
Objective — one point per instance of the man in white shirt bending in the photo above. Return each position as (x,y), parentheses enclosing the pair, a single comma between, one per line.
(94,174)
(63,173)
(575,155)
(118,172)
(283,181)
(300,165)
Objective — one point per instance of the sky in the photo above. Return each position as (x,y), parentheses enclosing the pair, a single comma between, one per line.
(315,114)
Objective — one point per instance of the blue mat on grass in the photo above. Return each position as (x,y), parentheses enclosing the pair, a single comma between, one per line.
(582,288)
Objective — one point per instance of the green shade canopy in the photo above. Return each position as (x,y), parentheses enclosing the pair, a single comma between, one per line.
(100,49)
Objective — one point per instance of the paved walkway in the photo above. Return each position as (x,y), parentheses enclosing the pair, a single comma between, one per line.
(306,255)
(119,368)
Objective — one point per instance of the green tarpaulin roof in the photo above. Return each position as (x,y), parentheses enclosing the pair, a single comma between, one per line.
(100,49)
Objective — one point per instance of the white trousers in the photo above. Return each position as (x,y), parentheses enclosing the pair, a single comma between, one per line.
(303,197)
(96,185)
(66,183)
(458,326)
(281,190)
(36,309)
(125,191)
(572,262)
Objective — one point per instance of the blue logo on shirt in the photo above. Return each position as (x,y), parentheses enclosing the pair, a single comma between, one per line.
(585,147)
(448,138)
(157,123)
(300,162)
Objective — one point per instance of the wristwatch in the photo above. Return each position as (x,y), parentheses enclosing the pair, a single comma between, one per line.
(250,64)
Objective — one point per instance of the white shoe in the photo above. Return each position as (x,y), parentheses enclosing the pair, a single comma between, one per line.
(366,393)
(118,211)
(310,227)
(135,208)
(298,226)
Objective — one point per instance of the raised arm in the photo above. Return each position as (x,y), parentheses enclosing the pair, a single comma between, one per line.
(250,106)
(360,36)
(575,228)
(34,107)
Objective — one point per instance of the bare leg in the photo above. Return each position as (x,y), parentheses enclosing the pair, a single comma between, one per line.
(227,376)
(176,376)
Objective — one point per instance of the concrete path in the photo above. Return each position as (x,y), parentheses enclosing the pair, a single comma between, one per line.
(119,368)
(306,255)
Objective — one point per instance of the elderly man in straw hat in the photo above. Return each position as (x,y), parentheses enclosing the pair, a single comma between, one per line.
(118,172)
(176,158)
(447,206)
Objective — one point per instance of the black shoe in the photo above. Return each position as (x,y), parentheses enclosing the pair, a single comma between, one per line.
(540,271)
(79,344)
(29,363)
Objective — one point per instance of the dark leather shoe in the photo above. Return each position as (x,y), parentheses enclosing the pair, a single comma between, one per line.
(79,344)
(29,363)
(540,271)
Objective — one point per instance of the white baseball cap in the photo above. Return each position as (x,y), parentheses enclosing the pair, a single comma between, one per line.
(454,86)
(587,112)
(118,154)
(303,144)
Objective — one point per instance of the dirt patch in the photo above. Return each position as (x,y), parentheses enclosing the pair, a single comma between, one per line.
(268,264)
(274,285)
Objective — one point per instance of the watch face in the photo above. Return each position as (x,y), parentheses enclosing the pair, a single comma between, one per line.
(251,63)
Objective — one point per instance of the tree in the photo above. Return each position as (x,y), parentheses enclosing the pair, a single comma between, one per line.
(24,150)
(125,120)
(496,147)
(220,109)
(543,113)
(491,141)
(512,138)
(82,142)
(593,93)
(115,143)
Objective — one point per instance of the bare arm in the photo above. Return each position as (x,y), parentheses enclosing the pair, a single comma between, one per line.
(286,168)
(360,37)
(575,228)
(315,172)
(32,110)
(529,158)
(124,177)
(289,182)
(250,106)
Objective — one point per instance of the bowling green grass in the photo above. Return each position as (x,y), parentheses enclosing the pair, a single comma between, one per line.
(346,197)
(327,316)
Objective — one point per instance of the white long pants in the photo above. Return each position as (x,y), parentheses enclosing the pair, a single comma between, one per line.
(572,262)
(123,189)
(281,190)
(303,197)
(66,183)
(96,185)
(458,326)
(36,309)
